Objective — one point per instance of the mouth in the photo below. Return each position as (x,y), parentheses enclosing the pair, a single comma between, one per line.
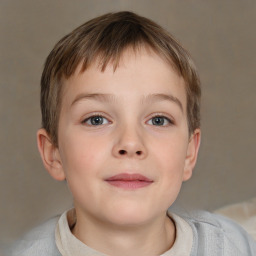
(129,181)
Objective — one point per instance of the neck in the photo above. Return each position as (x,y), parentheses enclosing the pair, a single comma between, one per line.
(151,238)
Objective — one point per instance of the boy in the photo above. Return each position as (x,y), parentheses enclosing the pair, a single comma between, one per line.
(120,101)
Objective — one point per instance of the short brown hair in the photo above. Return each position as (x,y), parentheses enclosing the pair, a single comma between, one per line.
(105,38)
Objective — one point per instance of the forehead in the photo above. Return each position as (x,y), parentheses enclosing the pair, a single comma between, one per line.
(137,71)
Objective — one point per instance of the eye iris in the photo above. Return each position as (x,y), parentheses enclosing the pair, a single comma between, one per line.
(158,121)
(97,120)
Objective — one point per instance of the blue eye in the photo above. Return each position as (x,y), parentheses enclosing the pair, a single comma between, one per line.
(160,121)
(95,120)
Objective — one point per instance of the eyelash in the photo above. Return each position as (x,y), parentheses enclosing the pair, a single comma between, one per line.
(169,121)
(92,116)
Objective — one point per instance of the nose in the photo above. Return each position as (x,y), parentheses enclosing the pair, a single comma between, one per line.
(129,144)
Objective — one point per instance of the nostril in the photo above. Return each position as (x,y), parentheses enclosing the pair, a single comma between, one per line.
(122,152)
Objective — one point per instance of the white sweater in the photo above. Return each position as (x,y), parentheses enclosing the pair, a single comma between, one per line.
(213,235)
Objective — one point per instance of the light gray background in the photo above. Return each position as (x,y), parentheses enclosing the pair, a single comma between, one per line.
(220,36)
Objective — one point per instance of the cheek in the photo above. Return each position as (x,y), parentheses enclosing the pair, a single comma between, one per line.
(81,154)
(170,154)
(170,161)
(82,159)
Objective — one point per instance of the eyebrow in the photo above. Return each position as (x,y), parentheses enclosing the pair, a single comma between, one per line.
(161,97)
(94,96)
(111,98)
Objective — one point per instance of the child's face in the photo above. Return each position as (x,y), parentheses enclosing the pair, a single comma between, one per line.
(133,122)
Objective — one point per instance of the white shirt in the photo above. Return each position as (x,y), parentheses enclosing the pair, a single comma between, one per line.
(69,245)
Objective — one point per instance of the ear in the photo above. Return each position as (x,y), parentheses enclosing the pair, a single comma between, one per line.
(192,153)
(50,155)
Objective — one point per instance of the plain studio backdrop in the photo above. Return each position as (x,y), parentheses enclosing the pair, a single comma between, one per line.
(221,37)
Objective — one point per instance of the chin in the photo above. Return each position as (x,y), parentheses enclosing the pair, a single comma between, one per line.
(130,216)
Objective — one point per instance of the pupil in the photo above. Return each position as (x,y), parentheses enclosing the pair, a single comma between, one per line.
(97,120)
(158,121)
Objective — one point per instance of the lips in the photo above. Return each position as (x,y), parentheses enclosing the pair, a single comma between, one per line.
(129,181)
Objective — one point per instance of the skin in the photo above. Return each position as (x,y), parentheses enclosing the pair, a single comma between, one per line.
(110,219)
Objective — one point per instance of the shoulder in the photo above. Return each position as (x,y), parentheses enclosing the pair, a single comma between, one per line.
(215,233)
(40,241)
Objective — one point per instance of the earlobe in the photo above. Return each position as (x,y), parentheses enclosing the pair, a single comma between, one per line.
(192,153)
(50,155)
